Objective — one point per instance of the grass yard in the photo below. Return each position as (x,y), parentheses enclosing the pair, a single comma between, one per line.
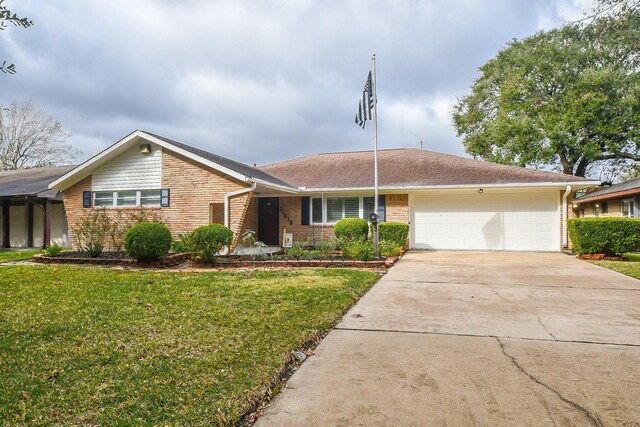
(91,346)
(630,268)
(6,256)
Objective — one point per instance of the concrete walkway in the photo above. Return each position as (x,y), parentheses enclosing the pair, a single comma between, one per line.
(463,338)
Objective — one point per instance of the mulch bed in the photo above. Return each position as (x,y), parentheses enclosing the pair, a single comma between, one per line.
(119,258)
(601,257)
(111,258)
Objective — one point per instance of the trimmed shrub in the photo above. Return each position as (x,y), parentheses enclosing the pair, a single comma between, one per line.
(359,250)
(351,229)
(148,240)
(205,242)
(396,232)
(610,236)
(387,248)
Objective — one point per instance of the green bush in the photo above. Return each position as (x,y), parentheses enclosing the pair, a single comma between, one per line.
(351,229)
(387,248)
(396,232)
(611,236)
(207,241)
(325,248)
(53,250)
(148,240)
(182,244)
(359,250)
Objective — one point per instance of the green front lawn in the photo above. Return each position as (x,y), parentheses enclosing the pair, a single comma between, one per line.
(631,268)
(6,256)
(90,346)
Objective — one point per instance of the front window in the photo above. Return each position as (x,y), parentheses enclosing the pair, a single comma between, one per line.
(102,199)
(150,197)
(126,198)
(342,207)
(626,208)
(316,210)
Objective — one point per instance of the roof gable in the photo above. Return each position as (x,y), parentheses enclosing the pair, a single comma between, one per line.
(221,164)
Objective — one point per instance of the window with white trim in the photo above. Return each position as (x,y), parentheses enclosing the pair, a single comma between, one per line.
(332,209)
(126,198)
(316,210)
(626,208)
(342,207)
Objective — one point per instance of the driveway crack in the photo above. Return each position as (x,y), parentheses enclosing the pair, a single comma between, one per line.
(526,311)
(592,417)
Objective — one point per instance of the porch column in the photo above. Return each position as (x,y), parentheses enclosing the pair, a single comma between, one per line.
(46,241)
(6,239)
(29,207)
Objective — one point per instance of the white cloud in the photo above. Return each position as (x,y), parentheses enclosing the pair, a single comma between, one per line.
(260,81)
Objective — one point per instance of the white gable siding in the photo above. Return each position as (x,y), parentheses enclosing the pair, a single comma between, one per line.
(131,170)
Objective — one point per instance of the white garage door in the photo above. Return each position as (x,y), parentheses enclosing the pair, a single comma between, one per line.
(512,222)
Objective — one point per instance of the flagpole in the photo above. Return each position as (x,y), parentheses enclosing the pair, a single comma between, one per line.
(375,154)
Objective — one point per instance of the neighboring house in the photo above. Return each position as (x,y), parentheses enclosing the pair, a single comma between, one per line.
(617,200)
(450,202)
(32,214)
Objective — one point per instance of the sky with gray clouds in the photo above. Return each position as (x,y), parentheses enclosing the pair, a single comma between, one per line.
(260,81)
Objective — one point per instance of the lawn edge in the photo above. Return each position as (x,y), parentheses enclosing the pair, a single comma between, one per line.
(291,365)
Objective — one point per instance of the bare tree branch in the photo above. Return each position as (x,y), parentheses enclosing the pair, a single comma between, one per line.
(31,137)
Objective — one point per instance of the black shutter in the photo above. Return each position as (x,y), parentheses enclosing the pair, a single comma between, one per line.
(165,197)
(86,199)
(382,207)
(304,209)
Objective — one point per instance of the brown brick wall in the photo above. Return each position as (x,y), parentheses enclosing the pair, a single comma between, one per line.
(291,207)
(193,189)
(397,208)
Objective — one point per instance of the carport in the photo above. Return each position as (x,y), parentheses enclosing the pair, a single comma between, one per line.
(32,215)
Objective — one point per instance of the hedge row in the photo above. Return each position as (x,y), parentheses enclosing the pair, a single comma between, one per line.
(610,236)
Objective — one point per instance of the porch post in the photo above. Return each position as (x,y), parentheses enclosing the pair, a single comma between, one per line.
(29,224)
(6,239)
(46,242)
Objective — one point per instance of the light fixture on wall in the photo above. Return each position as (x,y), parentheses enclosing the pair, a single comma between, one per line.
(480,190)
(145,148)
(597,205)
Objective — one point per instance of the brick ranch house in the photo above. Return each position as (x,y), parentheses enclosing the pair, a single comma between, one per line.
(450,202)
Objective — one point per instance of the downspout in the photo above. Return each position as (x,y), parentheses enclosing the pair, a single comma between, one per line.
(233,194)
(565,232)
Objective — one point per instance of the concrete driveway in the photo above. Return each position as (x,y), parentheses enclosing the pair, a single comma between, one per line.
(466,338)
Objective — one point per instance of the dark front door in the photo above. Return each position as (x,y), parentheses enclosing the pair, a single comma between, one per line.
(268,224)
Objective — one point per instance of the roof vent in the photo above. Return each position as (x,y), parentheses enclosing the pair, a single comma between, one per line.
(145,148)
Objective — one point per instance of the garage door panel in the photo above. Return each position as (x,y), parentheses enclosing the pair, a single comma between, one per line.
(486,221)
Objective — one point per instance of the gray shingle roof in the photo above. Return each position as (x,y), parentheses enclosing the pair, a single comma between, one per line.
(241,168)
(401,168)
(29,182)
(629,185)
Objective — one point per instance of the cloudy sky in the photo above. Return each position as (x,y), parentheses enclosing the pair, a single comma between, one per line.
(260,81)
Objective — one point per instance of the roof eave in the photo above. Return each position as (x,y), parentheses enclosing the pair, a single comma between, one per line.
(613,195)
(580,184)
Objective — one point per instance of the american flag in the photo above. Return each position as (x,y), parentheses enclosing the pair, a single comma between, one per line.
(366,103)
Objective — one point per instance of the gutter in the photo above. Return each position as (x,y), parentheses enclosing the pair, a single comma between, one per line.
(565,232)
(233,194)
(455,187)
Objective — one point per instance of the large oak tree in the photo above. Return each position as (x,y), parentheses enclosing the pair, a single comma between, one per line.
(565,98)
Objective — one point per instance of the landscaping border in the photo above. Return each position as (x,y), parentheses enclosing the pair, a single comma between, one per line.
(325,263)
(176,259)
(167,261)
